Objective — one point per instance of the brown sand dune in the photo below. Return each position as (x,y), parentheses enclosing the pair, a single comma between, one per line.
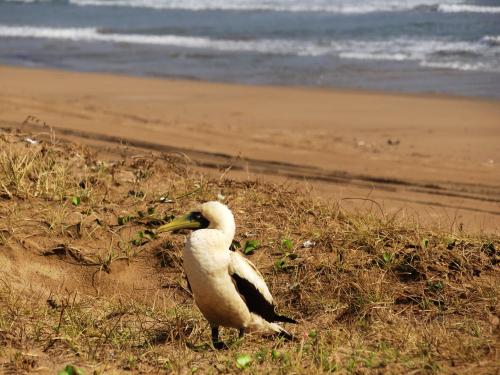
(433,156)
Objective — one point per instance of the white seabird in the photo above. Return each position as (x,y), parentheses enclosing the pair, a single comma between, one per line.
(227,288)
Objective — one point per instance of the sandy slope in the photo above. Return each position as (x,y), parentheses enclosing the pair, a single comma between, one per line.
(434,156)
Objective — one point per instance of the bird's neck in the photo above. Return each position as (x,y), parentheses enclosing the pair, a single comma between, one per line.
(227,228)
(228,234)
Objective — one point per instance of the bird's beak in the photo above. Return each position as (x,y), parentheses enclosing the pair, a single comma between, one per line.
(181,222)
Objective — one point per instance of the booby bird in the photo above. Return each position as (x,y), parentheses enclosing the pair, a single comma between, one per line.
(227,288)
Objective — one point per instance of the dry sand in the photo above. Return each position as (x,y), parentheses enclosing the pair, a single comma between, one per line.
(434,158)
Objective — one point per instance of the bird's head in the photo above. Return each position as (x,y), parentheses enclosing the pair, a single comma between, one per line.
(211,215)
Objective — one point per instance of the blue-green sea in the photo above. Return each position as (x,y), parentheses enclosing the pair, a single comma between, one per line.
(417,46)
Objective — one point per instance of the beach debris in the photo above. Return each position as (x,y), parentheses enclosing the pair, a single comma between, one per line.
(164,199)
(31,141)
(308,244)
(364,144)
(393,142)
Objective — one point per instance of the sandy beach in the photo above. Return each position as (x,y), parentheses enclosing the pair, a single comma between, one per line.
(434,158)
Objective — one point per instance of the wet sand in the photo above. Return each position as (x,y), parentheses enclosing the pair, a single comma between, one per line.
(431,158)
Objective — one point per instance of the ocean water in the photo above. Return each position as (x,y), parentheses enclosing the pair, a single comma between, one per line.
(419,46)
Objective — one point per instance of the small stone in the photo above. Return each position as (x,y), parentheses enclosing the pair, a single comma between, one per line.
(308,244)
(31,141)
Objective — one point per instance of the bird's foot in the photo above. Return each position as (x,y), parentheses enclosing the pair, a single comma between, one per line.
(220,345)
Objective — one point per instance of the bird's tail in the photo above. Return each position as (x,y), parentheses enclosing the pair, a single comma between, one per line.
(269,328)
(286,335)
(284,319)
(281,332)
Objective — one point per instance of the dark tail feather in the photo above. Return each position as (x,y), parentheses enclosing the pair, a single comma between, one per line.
(284,319)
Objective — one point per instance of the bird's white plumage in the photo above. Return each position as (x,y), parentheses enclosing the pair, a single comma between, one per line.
(209,266)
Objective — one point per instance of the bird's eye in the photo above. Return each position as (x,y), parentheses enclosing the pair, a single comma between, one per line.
(196,215)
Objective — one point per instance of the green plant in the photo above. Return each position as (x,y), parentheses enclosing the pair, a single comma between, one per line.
(75,201)
(243,361)
(71,370)
(250,247)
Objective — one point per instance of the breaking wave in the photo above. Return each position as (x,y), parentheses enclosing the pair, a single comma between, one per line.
(330,6)
(432,53)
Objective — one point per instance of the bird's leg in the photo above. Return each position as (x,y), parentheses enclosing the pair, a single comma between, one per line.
(242,333)
(215,339)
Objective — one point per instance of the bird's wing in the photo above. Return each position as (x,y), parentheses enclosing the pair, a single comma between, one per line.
(253,289)
(244,269)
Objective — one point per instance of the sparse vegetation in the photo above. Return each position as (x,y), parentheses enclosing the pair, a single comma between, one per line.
(85,281)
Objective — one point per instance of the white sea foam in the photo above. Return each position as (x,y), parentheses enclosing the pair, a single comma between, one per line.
(330,6)
(339,6)
(28,1)
(401,49)
(466,8)
(455,65)
(335,6)
(374,56)
(461,55)
(493,40)
(275,46)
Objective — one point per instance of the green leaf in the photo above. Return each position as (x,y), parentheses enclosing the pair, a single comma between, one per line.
(143,237)
(275,354)
(287,244)
(279,264)
(75,201)
(139,239)
(122,220)
(435,286)
(313,334)
(425,243)
(250,247)
(387,257)
(243,361)
(71,370)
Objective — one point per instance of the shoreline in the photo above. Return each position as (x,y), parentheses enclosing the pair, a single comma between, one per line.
(314,88)
(434,155)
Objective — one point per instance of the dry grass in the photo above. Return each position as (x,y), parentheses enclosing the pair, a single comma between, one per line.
(85,281)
